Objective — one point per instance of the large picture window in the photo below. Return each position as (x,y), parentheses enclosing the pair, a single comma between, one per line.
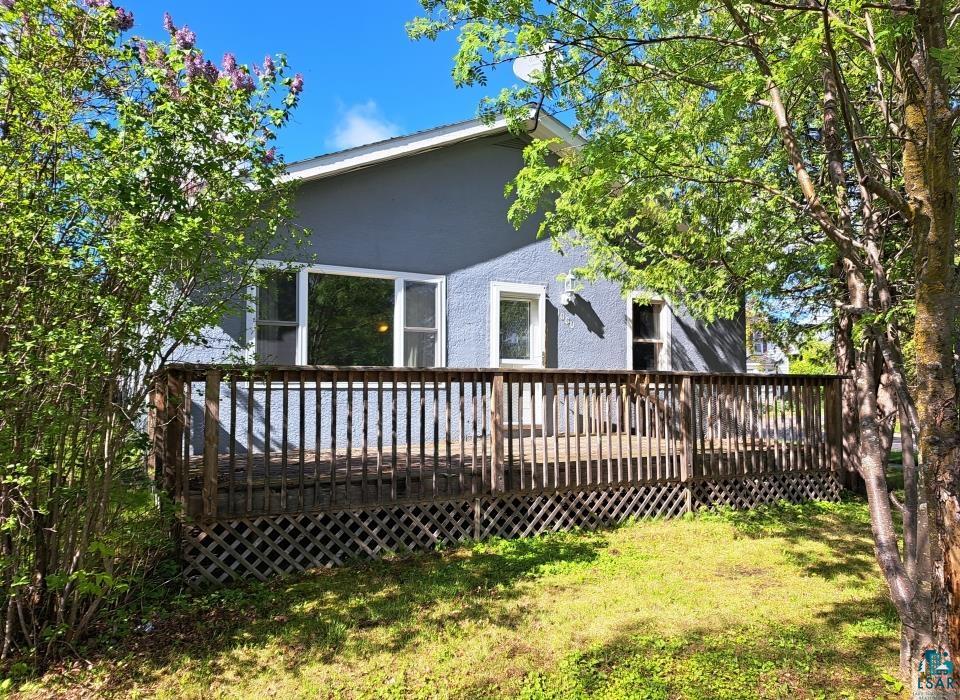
(333,316)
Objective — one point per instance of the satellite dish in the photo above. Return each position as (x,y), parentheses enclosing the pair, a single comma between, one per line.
(530,68)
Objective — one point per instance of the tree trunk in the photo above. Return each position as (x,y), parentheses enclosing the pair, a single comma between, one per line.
(930,178)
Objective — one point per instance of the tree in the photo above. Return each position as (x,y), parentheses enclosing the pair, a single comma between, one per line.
(138,183)
(780,150)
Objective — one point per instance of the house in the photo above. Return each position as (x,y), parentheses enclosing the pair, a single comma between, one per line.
(411,262)
(765,356)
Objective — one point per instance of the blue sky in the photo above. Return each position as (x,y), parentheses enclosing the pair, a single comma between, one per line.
(364,79)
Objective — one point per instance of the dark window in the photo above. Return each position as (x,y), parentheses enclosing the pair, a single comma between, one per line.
(644,356)
(349,320)
(646,336)
(277,318)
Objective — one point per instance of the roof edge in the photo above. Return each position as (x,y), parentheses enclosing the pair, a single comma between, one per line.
(542,127)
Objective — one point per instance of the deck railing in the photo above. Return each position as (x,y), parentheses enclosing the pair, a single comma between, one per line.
(231,441)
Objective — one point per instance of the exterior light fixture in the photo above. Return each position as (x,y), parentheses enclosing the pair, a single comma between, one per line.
(569,294)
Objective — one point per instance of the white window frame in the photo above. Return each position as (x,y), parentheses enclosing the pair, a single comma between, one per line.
(303,272)
(538,335)
(664,326)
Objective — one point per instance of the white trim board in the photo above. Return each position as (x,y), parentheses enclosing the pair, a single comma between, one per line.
(536,292)
(542,127)
(664,325)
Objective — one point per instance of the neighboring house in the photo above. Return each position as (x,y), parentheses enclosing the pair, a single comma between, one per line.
(411,262)
(766,357)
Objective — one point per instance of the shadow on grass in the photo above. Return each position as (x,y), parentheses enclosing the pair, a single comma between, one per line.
(844,527)
(310,616)
(831,656)
(401,602)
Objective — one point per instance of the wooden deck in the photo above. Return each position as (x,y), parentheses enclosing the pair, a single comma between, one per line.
(294,481)
(404,459)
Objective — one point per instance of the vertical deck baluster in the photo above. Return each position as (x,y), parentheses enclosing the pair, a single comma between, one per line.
(608,415)
(473,432)
(463,435)
(508,432)
(485,412)
(448,408)
(436,434)
(348,478)
(267,439)
(766,425)
(379,437)
(394,378)
(408,448)
(588,408)
(249,460)
(619,412)
(302,425)
(556,431)
(317,435)
(333,437)
(578,422)
(232,447)
(284,441)
(626,400)
(365,428)
(423,431)
(187,445)
(566,430)
(533,432)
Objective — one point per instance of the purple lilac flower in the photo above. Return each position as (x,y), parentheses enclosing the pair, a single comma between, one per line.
(123,19)
(99,3)
(229,63)
(268,66)
(241,80)
(296,87)
(185,38)
(195,65)
(142,52)
(210,71)
(168,23)
(270,156)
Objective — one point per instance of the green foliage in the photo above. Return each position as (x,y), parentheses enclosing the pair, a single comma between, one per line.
(684,187)
(137,184)
(815,356)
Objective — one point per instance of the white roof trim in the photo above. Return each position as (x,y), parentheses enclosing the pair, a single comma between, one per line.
(547,127)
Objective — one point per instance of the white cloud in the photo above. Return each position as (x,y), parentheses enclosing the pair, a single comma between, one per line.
(360,124)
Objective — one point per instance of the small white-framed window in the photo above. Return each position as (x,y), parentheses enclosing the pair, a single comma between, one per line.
(517,333)
(759,344)
(648,335)
(276,317)
(331,315)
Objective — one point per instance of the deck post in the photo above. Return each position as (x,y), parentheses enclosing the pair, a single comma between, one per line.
(686,438)
(173,468)
(211,441)
(156,419)
(496,421)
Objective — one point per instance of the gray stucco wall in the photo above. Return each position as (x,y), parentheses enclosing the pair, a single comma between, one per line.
(444,213)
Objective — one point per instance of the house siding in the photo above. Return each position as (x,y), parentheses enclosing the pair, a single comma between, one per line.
(444,213)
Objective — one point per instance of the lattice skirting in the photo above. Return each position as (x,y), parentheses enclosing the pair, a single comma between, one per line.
(261,547)
(522,515)
(749,492)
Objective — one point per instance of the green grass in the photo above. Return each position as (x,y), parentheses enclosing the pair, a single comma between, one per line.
(781,602)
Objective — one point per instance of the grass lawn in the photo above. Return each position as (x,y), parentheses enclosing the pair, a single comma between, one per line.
(782,602)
